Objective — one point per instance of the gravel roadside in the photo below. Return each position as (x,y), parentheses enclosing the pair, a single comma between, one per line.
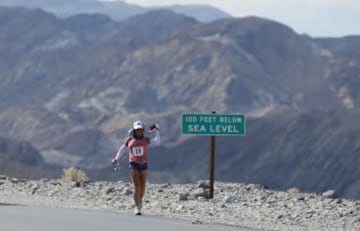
(234,204)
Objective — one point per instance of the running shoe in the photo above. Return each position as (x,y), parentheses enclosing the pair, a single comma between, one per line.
(137,211)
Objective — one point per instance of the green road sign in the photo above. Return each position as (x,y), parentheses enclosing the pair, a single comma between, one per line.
(213,124)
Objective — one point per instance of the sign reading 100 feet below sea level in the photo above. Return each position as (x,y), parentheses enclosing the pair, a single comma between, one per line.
(213,124)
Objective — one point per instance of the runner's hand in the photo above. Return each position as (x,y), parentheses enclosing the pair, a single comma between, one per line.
(114,161)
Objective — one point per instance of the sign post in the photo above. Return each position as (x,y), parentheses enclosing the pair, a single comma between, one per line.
(212,165)
(213,125)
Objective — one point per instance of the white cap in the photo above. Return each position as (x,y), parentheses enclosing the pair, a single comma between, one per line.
(138,125)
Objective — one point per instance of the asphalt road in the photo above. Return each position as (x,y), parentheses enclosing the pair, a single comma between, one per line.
(20,218)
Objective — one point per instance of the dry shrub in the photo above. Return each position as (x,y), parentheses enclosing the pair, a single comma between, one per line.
(74,175)
(293,190)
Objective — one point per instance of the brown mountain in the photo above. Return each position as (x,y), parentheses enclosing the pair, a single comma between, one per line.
(72,87)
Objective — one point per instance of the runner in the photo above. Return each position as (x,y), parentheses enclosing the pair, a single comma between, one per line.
(137,145)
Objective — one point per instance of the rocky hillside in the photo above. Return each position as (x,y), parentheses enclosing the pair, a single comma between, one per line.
(314,151)
(72,87)
(344,68)
(21,159)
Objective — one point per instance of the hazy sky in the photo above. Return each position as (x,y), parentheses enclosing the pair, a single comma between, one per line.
(314,17)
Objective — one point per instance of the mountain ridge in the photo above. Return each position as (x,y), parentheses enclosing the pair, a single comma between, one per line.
(117,10)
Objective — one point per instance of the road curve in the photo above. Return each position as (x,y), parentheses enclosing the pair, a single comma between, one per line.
(20,218)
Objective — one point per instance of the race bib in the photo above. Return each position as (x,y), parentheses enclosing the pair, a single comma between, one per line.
(138,151)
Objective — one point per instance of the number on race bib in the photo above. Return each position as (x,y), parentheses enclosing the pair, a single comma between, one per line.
(138,151)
